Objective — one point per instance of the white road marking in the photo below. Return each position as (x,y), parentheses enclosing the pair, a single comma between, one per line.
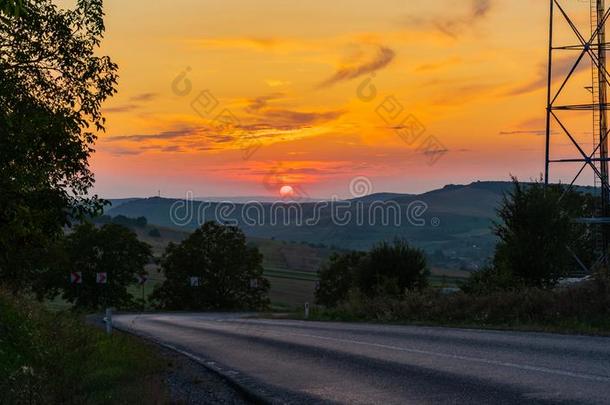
(453,356)
(479,360)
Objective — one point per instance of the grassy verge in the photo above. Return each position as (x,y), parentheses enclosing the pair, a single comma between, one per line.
(54,357)
(579,309)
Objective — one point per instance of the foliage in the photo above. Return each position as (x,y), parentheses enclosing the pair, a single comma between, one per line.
(52,86)
(55,358)
(155,233)
(391,269)
(112,249)
(388,269)
(536,232)
(139,222)
(489,280)
(225,265)
(579,308)
(337,277)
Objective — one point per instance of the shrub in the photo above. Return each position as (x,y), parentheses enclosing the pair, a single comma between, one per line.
(337,277)
(583,307)
(55,358)
(536,227)
(391,269)
(155,233)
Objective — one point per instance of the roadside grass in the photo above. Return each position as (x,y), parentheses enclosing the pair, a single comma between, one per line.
(51,357)
(583,309)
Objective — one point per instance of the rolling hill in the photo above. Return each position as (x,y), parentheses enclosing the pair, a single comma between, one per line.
(454,229)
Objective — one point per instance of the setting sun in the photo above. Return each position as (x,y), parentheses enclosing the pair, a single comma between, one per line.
(286,191)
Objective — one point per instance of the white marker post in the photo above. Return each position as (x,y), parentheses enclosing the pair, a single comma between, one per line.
(306,310)
(108,320)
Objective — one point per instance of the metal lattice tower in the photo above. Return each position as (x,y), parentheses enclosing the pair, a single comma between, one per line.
(590,46)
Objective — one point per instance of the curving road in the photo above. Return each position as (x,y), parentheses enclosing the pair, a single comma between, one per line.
(297,362)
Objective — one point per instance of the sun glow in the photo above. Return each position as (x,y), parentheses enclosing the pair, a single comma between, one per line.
(286,191)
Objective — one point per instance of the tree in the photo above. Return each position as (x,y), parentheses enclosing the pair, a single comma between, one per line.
(52,86)
(390,269)
(155,233)
(111,249)
(230,272)
(337,277)
(537,233)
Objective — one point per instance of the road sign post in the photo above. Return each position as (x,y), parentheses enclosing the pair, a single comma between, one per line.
(142,280)
(108,321)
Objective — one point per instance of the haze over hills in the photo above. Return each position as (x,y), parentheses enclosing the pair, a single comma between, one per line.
(451,224)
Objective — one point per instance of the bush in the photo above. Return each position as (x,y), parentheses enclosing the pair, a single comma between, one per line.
(584,307)
(55,358)
(537,227)
(155,233)
(337,277)
(391,269)
(225,265)
(488,280)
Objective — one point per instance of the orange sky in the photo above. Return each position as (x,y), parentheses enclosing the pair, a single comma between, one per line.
(295,78)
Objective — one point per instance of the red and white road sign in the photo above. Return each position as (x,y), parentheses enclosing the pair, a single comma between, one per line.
(142,278)
(76,277)
(101,278)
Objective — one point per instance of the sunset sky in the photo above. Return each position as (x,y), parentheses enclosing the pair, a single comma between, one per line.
(295,77)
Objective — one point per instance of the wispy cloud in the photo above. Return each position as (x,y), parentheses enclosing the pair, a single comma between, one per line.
(561,67)
(261,102)
(135,102)
(143,97)
(174,134)
(383,58)
(454,26)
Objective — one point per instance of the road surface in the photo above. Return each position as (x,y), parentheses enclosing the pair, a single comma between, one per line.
(309,362)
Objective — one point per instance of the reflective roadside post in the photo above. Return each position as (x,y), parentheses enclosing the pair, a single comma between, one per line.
(108,320)
(306,310)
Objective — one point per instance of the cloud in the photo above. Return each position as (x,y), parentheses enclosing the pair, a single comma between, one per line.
(524,132)
(289,119)
(179,133)
(135,103)
(144,97)
(122,108)
(261,102)
(454,26)
(561,67)
(383,58)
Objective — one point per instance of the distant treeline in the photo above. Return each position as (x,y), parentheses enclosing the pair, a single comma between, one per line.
(139,222)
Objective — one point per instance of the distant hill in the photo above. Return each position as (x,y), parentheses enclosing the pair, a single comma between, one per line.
(456,231)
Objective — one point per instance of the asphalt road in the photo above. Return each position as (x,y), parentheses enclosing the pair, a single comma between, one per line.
(309,362)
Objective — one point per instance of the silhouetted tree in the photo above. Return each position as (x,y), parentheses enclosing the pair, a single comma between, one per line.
(537,232)
(52,86)
(112,249)
(390,269)
(155,233)
(337,277)
(225,265)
